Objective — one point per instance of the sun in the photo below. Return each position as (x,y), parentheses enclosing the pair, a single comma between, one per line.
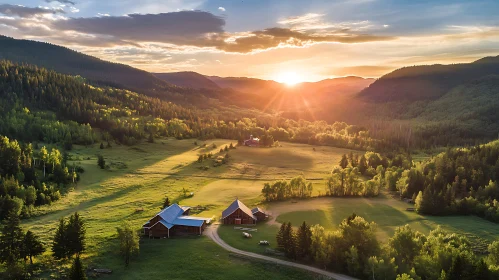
(288,78)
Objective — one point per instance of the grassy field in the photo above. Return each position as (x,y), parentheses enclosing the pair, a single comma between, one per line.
(386,212)
(141,176)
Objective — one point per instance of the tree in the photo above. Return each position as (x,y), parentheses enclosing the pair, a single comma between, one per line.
(353,261)
(101,162)
(289,240)
(59,244)
(405,246)
(11,240)
(362,165)
(344,161)
(77,272)
(280,237)
(493,258)
(129,241)
(304,241)
(75,234)
(166,203)
(44,156)
(69,238)
(32,246)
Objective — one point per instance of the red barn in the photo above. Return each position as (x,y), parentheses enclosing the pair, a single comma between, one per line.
(252,142)
(238,214)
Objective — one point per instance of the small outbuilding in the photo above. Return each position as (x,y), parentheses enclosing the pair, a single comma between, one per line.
(259,214)
(238,214)
(252,142)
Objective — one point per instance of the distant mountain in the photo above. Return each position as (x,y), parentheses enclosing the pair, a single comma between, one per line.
(188,79)
(430,82)
(247,85)
(64,60)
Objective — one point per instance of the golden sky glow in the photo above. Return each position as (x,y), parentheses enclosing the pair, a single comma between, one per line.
(290,41)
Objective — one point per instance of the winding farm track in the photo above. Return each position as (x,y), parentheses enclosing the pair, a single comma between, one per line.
(212,232)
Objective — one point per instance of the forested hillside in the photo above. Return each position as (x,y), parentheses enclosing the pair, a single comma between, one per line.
(427,82)
(188,79)
(66,61)
(42,105)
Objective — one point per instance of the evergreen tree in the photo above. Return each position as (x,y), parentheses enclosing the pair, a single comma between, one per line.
(166,203)
(129,242)
(11,240)
(77,272)
(280,237)
(304,241)
(362,165)
(59,245)
(289,240)
(32,246)
(344,162)
(75,234)
(101,162)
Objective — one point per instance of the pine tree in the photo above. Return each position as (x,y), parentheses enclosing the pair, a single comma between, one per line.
(76,234)
(59,245)
(11,240)
(289,241)
(304,241)
(101,162)
(362,165)
(77,272)
(280,237)
(344,161)
(166,203)
(32,246)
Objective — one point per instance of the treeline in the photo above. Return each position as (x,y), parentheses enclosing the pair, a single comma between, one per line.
(459,181)
(29,178)
(42,105)
(409,255)
(281,190)
(365,175)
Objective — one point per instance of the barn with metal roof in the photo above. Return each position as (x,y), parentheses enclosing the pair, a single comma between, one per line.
(174,220)
(238,214)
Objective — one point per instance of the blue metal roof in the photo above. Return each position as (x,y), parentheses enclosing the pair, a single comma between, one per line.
(173,215)
(192,221)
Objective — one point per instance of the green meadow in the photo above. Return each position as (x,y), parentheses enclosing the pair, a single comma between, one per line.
(140,177)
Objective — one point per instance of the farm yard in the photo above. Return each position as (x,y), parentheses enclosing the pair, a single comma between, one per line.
(138,178)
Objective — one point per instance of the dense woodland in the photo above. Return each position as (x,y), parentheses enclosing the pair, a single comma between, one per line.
(42,105)
(354,249)
(458,181)
(30,178)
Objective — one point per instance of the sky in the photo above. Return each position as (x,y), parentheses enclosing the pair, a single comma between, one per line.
(274,39)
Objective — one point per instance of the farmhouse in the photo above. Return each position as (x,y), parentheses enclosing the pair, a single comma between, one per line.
(259,214)
(252,142)
(238,214)
(174,220)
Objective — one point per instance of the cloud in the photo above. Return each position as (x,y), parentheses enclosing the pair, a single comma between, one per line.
(26,12)
(181,28)
(178,31)
(221,9)
(285,37)
(62,1)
